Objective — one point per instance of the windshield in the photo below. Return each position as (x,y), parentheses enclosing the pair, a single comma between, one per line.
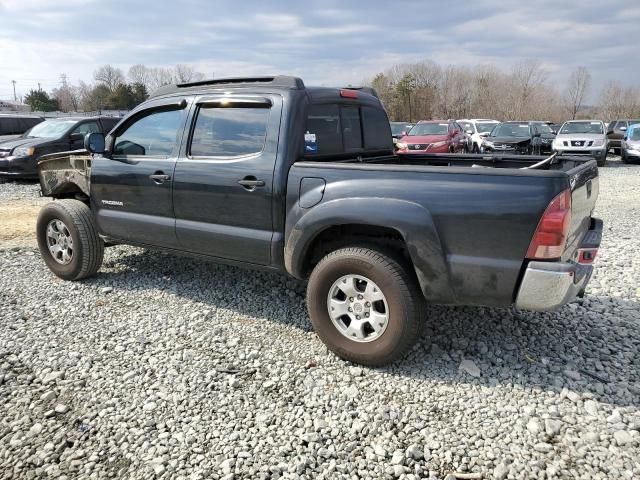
(50,128)
(544,128)
(467,126)
(485,126)
(634,134)
(511,130)
(398,127)
(429,129)
(582,127)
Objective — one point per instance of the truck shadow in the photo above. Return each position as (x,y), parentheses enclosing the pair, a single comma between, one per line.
(589,347)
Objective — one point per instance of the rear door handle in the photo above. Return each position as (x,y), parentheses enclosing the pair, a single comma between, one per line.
(159,177)
(250,183)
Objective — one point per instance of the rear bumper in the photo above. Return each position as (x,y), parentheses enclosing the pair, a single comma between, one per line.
(548,286)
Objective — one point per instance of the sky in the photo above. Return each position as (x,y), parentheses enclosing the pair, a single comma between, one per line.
(327,42)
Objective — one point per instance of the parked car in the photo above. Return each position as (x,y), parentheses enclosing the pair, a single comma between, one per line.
(433,136)
(521,138)
(475,127)
(630,147)
(555,127)
(269,173)
(583,137)
(400,129)
(616,131)
(19,156)
(13,125)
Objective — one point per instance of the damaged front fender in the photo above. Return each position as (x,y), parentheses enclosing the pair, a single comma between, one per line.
(65,172)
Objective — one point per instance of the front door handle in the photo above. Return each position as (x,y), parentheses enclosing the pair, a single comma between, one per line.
(250,183)
(159,177)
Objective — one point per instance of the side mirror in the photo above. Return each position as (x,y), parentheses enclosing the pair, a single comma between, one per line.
(484,134)
(470,132)
(403,134)
(623,129)
(76,137)
(94,142)
(537,135)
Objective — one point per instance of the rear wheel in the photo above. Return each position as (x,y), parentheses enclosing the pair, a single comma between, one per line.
(624,157)
(365,305)
(68,239)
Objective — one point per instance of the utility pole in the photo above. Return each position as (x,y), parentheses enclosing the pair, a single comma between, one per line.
(39,89)
(15,98)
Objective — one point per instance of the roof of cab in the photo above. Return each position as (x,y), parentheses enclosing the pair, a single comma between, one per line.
(277,82)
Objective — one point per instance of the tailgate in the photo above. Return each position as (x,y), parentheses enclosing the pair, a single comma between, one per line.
(584,183)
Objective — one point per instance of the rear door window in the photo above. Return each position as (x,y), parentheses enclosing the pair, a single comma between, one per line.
(229,132)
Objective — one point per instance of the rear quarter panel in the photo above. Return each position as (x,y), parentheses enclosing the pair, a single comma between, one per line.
(479,222)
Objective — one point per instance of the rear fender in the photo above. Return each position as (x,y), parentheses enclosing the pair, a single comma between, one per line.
(412,221)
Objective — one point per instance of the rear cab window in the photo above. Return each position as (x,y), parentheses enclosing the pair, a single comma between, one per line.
(333,129)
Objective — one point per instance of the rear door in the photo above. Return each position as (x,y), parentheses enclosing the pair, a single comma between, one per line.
(223,188)
(131,190)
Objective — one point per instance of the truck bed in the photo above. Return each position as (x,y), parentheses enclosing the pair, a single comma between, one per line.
(479,211)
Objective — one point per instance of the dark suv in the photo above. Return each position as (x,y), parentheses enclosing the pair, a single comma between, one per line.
(616,131)
(523,138)
(19,157)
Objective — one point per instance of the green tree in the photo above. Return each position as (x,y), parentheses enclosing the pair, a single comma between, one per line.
(96,98)
(39,101)
(140,94)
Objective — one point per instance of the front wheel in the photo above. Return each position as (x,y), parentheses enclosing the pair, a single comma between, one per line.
(623,156)
(68,239)
(365,305)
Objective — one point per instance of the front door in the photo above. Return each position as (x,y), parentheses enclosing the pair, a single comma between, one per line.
(131,188)
(223,184)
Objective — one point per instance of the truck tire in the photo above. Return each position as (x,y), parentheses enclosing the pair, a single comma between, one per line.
(365,305)
(68,239)
(602,161)
(623,156)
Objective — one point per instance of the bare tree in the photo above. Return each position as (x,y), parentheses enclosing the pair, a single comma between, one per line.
(579,82)
(139,74)
(526,77)
(109,76)
(67,95)
(187,73)
(617,101)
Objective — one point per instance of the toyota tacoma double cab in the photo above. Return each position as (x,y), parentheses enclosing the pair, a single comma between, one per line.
(271,174)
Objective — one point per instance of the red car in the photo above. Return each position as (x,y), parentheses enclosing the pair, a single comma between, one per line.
(433,136)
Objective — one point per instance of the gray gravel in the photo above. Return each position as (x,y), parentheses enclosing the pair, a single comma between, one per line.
(164,367)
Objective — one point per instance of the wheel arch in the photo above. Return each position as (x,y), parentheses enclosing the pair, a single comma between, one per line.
(403,227)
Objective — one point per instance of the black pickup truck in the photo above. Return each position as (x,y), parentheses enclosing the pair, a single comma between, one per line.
(268,173)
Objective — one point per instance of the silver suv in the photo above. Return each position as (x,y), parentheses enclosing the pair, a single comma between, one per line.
(582,137)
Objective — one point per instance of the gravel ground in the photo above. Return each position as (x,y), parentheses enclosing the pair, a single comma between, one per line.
(164,367)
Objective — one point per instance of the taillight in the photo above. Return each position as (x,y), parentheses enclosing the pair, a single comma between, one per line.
(348,93)
(550,238)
